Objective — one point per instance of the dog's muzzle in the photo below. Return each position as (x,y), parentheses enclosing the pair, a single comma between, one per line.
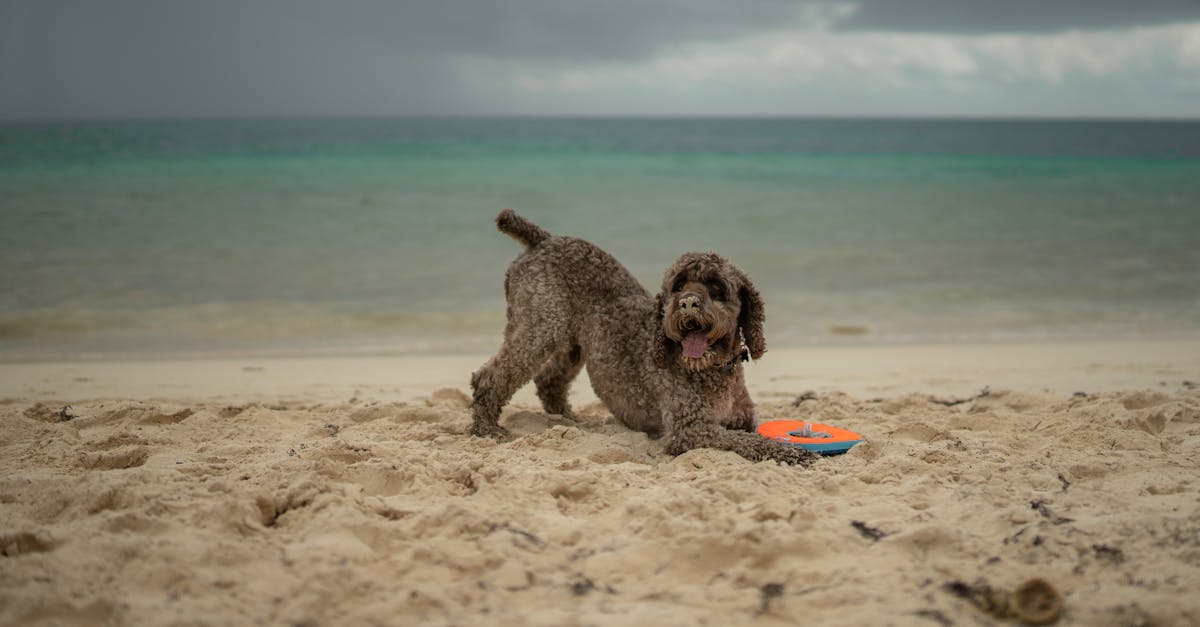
(688,310)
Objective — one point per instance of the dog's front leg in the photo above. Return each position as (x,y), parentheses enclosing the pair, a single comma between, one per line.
(742,417)
(686,431)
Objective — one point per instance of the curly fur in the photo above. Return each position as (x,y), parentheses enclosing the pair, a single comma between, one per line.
(572,305)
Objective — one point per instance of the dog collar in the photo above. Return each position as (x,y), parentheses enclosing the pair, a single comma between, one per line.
(743,355)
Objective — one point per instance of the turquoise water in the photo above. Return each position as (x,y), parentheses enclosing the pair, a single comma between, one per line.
(376,236)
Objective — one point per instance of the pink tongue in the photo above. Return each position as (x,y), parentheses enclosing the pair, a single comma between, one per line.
(694,345)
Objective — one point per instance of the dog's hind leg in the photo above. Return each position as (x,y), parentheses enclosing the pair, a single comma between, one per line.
(526,349)
(554,380)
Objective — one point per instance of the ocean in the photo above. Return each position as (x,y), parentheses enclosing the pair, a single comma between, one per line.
(376,236)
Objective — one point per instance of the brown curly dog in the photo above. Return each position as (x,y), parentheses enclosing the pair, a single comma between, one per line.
(669,365)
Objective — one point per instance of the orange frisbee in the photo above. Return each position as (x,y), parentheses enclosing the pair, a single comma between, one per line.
(818,438)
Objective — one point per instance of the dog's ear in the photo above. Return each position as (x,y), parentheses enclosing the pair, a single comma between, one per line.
(752,317)
(659,349)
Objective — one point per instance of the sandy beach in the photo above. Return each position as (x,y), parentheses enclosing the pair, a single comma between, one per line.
(346,491)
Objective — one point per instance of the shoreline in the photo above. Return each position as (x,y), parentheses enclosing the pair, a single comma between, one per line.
(1060,367)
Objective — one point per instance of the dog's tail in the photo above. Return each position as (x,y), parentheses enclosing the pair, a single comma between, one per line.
(520,229)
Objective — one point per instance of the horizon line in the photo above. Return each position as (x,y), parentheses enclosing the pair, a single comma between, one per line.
(916,117)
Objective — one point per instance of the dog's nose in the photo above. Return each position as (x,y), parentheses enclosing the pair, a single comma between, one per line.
(689,303)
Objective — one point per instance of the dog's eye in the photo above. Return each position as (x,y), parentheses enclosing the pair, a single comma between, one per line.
(716,291)
(678,284)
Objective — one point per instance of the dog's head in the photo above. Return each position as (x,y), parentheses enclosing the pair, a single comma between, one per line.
(707,308)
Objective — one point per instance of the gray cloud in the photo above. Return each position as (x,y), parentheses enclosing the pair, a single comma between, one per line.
(579,30)
(622,30)
(1017,16)
(568,31)
(130,58)
(137,58)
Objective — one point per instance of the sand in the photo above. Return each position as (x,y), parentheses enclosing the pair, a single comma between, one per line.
(346,491)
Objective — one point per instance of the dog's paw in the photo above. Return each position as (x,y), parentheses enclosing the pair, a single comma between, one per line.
(489,430)
(793,455)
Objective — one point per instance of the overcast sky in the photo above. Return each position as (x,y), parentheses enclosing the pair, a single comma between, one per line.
(217,58)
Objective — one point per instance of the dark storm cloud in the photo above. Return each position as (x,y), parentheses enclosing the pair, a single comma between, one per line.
(548,29)
(566,30)
(297,57)
(616,29)
(1017,16)
(132,58)
(586,30)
